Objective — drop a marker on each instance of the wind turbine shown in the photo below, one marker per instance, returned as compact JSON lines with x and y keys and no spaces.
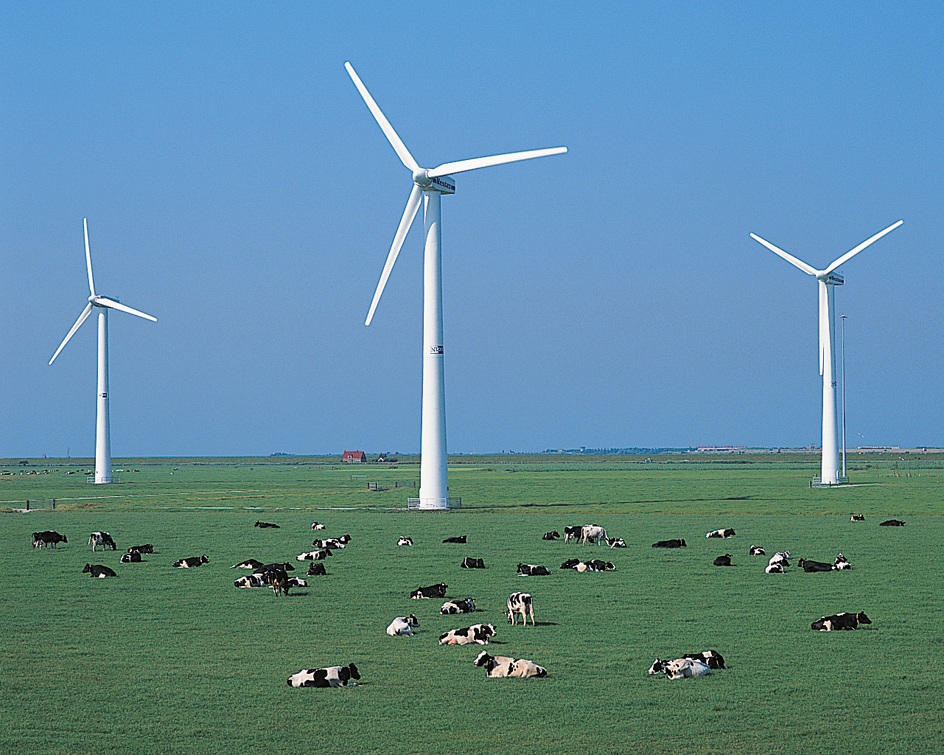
{"x":828,"y":280}
{"x":103,"y":304}
{"x":430,"y":184}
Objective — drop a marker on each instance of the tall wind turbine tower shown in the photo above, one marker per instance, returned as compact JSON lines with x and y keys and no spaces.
{"x":828,"y":280}
{"x":430,"y":185}
{"x":102,"y":424}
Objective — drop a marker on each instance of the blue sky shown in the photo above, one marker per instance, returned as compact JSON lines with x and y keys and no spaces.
{"x":237,"y":188}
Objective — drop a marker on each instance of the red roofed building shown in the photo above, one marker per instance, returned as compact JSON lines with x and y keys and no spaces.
{"x":354,"y":456}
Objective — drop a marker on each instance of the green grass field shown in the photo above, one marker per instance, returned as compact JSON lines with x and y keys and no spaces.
{"x":163,"y":660}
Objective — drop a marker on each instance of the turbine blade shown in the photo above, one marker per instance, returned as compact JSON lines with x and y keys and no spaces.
{"x":399,"y":147}
{"x":461,"y":166}
{"x":88,"y":260}
{"x":85,"y":313}
{"x":853,"y":252}
{"x":112,"y":304}
{"x":409,"y":213}
{"x":788,"y":257}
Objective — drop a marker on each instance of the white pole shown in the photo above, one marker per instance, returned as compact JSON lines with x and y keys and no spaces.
{"x":434,"y":481}
{"x":102,"y":434}
{"x":842,"y":320}
{"x":830,"y":456}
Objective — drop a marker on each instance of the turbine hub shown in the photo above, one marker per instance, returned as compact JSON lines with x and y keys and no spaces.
{"x":442,"y":184}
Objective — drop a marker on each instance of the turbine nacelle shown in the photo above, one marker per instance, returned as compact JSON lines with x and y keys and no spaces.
{"x":442,"y":184}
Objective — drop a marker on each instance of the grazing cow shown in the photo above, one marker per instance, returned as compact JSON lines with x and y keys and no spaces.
{"x":466,"y":605}
{"x":813,"y":566}
{"x":131,"y":557}
{"x":47,"y":537}
{"x":146,"y":548}
{"x":594,"y":565}
{"x":249,"y":563}
{"x":250,"y":580}
{"x":840,"y":621}
{"x":616,"y":542}
{"x":266,"y":524}
{"x":533,"y":570}
{"x":317,"y":526}
{"x":720,"y":533}
{"x":521,"y":668}
{"x":520,"y":602}
{"x":405,"y":541}
{"x":103,"y":539}
{"x":756,"y":550}
{"x":318,"y":555}
{"x":477,"y":633}
{"x":572,"y":532}
{"x":892,"y":523}
{"x":459,"y":539}
{"x":592,"y":532}
{"x":316,"y":570}
{"x":190,"y":563}
{"x":553,"y":535}
{"x":99,"y":571}
{"x":402,"y":626}
{"x":675,"y":543}
{"x":332,"y":676}
{"x":680,"y":668}
{"x":841,"y":563}
{"x":857,"y":518}
{"x":433,"y":591}
{"x":472,"y":563}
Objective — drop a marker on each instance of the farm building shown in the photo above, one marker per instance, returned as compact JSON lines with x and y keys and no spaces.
{"x":354,"y":456}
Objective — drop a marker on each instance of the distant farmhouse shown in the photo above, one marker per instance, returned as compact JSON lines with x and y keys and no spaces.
{"x":353,"y":456}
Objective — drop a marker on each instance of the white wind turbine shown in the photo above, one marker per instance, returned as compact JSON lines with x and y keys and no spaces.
{"x":103,"y":303}
{"x":430,"y":184}
{"x":828,"y":280}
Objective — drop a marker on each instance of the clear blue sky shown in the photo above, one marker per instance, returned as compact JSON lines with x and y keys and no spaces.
{"x":237,"y":188}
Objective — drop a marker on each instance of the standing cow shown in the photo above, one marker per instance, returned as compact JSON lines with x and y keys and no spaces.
{"x":520,"y":602}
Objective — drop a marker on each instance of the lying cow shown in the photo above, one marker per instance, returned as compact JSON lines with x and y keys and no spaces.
{"x":467,"y":605}
{"x":96,"y":570}
{"x":781,"y":557}
{"x":533,"y":570}
{"x":472,"y":563}
{"x":775,"y":568}
{"x":680,"y":668}
{"x":319,"y":555}
{"x":317,"y":526}
{"x":720,"y":533}
{"x":594,"y":565}
{"x":857,"y":518}
{"x":331,"y":543}
{"x":103,"y":539}
{"x":756,"y":550}
{"x":405,"y":541}
{"x":142,"y":549}
{"x":616,"y":542}
{"x":332,"y":676}
{"x":520,"y":602}
{"x":841,"y":563}
{"x":402,"y":626}
{"x":477,"y":633}
{"x":813,"y":566}
{"x":433,"y":591}
{"x":190,"y":563}
{"x":724,"y":560}
{"x":553,"y":535}
{"x":520,"y":668}
{"x":131,"y":557}
{"x":317,"y":570}
{"x":483,"y":658}
{"x":674,"y":543}
{"x":840,"y":621}
{"x":711,"y":658}
{"x":460,"y":539}
{"x":266,"y":525}
{"x":249,"y":563}
{"x":592,"y":532}
{"x":250,"y":580}
{"x":892,"y":523}
{"x":47,"y":537}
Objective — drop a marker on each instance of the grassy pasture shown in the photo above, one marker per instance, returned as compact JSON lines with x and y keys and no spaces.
{"x":180,"y":661}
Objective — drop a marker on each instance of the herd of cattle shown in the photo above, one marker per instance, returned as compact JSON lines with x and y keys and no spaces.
{"x":275,"y":575}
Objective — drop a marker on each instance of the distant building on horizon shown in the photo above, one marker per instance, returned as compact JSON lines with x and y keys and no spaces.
{"x":353,"y":456}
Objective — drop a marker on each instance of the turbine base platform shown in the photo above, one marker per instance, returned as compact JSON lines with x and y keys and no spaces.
{"x":433,"y":504}
{"x":106,"y":481}
{"x":817,"y":482}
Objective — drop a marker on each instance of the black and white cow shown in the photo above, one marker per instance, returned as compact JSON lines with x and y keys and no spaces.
{"x":533,"y":570}
{"x":433,"y":591}
{"x":892,"y":523}
{"x":480,"y":634}
{"x":775,"y":568}
{"x":680,"y":668}
{"x":131,"y":557}
{"x":520,"y":668}
{"x":405,"y":541}
{"x":840,"y":621}
{"x":331,"y":543}
{"x":782,"y":558}
{"x":142,"y":549}
{"x":756,"y":550}
{"x":814,"y":566}
{"x":520,"y":602}
{"x":190,"y":563}
{"x":570,"y":563}
{"x":250,"y":580}
{"x":616,"y":542}
{"x":103,"y":539}
{"x":552,"y":535}
{"x":720,"y":533}
{"x":317,"y":526}
{"x":466,"y":605}
{"x":402,"y":626}
{"x":96,"y":570}
{"x":319,"y":555}
{"x":841,"y":563}
{"x":317,"y":570}
{"x":48,"y":537}
{"x":249,"y":563}
{"x":572,"y":532}
{"x":592,"y":532}
{"x":278,"y":581}
{"x":483,"y":658}
{"x":472,"y":563}
{"x":297,"y":582}
{"x":266,"y":525}
{"x":331,"y":676}
{"x":594,"y":565}
{"x":724,"y":560}
{"x":459,"y":539}
{"x":857,"y":518}
{"x":674,"y":543}
{"x":711,"y":658}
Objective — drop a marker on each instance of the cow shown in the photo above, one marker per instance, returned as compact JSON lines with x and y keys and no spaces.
{"x":675,"y":543}
{"x":720,"y":533}
{"x":146,"y":548}
{"x":781,"y":557}
{"x":813,"y":566}
{"x":775,"y":568}
{"x":297,"y":582}
{"x":433,"y":591}
{"x":132,"y":557}
{"x":331,"y":543}
{"x":250,"y":580}
{"x":594,"y":565}
{"x":552,"y":535}
{"x":265,"y":525}
{"x":712,"y":658}
{"x":190,"y":563}
{"x":472,"y":563}
{"x":840,"y":621}
{"x":841,"y":563}
{"x":466,"y":605}
{"x":680,"y":668}
{"x":332,"y":676}
{"x":278,"y":581}
{"x":317,"y":526}
{"x":249,"y":563}
{"x":724,"y":560}
{"x":521,"y":668}
{"x":477,"y":633}
{"x":96,"y":570}
{"x":592,"y":532}
{"x":533,"y":570}
{"x":460,"y":539}
{"x":756,"y":550}
{"x":284,"y":566}
{"x":402,"y":626}
{"x":483,"y":658}
{"x":572,"y":532}
{"x":103,"y":539}
{"x":857,"y":517}
{"x":405,"y":541}
{"x":616,"y":542}
{"x":47,"y":537}
{"x":892,"y":523}
{"x":316,"y":570}
{"x":318,"y":555}
{"x":520,"y":602}
{"x":570,"y":563}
